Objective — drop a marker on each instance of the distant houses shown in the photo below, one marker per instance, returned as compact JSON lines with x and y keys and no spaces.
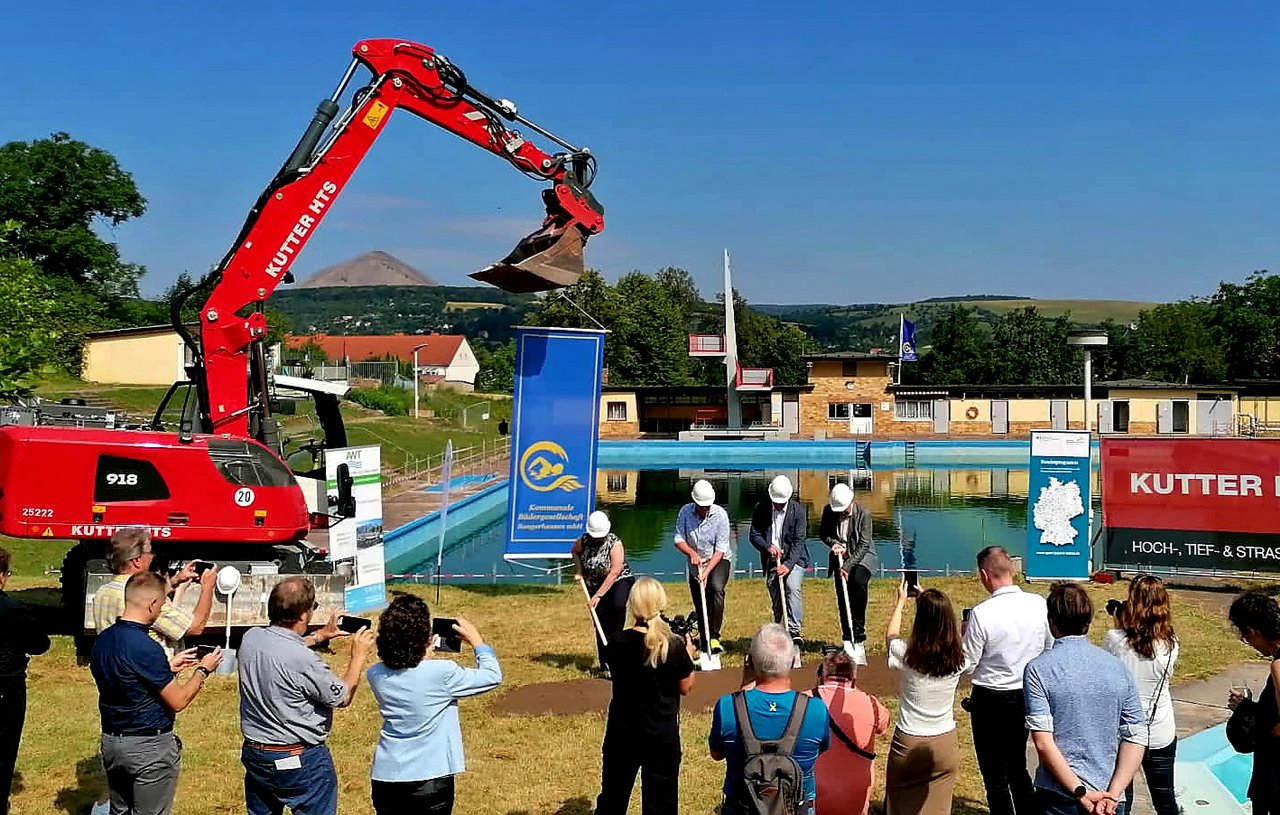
{"x":442,"y":359}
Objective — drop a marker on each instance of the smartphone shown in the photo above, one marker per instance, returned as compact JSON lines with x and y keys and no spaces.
{"x":203,"y":566}
{"x":353,"y":625}
{"x":203,"y":651}
{"x":447,"y":640}
{"x":964,"y":615}
{"x":913,"y":582}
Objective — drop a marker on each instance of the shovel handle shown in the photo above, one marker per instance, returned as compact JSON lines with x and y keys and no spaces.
{"x":595,"y":618}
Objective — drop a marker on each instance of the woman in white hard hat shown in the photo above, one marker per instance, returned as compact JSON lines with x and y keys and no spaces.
{"x":702,"y":535}
{"x":601,"y":564}
{"x":779,"y":526}
{"x":846,"y":529}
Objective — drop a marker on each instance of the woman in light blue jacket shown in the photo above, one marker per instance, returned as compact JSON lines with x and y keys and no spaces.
{"x":420,"y":748}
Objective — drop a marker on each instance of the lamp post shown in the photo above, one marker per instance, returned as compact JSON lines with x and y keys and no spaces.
{"x":483,"y":416}
{"x":416,"y":349}
{"x":1087,"y":340}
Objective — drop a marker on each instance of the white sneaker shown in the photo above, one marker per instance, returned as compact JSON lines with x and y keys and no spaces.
{"x":859,"y":655}
{"x":101,"y":808}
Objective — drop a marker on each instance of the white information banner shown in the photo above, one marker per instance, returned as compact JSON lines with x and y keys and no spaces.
{"x":358,"y":540}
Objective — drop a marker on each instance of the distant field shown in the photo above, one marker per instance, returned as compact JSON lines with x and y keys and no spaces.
{"x":1081,"y":311}
{"x":472,"y":306}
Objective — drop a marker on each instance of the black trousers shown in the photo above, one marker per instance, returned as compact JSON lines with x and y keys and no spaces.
{"x":853,"y":620}
{"x":13,"y":714}
{"x":714,"y":612}
{"x":659,"y":767}
{"x":1000,"y":740}
{"x":434,"y":797}
{"x":1157,"y":766}
{"x":612,"y":611}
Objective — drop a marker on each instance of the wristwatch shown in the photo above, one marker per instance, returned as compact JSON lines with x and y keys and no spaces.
{"x":1079,"y":792}
{"x":200,"y":669}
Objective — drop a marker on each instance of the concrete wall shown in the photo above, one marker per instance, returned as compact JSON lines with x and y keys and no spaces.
{"x":1266,"y":409}
{"x":616,"y":428}
{"x":137,"y":359}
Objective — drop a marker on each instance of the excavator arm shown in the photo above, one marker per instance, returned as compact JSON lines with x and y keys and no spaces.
{"x":409,"y":76}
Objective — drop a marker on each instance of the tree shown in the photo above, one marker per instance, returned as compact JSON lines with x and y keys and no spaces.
{"x":1178,"y":343}
{"x":959,"y":351}
{"x":1246,"y":319}
{"x":1121,"y":357}
{"x":27,"y":307}
{"x":58,"y":189}
{"x":1028,"y":349}
{"x":497,"y":368}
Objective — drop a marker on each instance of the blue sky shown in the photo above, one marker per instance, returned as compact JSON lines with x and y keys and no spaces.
{"x":844,"y":152}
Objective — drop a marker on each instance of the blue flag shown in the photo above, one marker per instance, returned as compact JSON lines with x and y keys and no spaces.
{"x":908,"y":337}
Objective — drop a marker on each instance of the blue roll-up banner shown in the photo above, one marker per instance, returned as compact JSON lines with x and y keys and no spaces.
{"x":554,"y":429}
{"x":1058,"y":506}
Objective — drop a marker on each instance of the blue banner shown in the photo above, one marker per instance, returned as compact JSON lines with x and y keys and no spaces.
{"x":1058,"y":506}
{"x":554,"y":429}
{"x":907,"y":352}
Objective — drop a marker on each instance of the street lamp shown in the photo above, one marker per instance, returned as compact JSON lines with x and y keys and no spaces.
{"x":1088,"y":339}
{"x":483,"y":416}
{"x":416,"y":349}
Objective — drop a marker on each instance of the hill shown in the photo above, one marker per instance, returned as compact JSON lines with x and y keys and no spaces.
{"x":479,"y":312}
{"x":369,"y":269}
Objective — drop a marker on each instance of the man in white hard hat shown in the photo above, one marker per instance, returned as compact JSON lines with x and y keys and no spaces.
{"x":846,"y":528}
{"x":779,"y":526}
{"x":702,"y":535}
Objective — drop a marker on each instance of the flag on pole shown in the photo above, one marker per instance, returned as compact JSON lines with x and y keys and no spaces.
{"x":907,"y":340}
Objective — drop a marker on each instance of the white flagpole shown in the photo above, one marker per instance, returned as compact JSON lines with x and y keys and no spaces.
{"x":446,"y":475}
{"x":901,"y":328}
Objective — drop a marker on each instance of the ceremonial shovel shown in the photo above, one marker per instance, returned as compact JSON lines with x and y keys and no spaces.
{"x":848,"y":611}
{"x":782,"y":599}
{"x":595,"y":618}
{"x":707,"y":661}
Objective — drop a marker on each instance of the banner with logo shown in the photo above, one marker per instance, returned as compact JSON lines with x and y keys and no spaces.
{"x":554,"y":428}
{"x":356,"y":543}
{"x":906,"y":340}
{"x":1058,"y":506}
{"x":1194,"y":504}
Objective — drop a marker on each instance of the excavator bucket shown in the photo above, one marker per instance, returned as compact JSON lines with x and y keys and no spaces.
{"x":550,"y":258}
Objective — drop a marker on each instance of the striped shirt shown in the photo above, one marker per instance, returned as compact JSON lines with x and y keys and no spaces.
{"x":168,"y":629}
{"x":705,"y":535}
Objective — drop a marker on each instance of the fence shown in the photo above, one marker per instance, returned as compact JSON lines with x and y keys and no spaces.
{"x":466,"y":460}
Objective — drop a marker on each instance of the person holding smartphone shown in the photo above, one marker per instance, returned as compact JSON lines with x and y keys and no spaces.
{"x":420,"y":747}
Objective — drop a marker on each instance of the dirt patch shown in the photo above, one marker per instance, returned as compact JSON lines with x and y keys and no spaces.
{"x":579,"y":696}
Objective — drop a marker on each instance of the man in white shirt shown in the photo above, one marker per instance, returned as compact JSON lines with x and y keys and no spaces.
{"x":1001,"y":635}
{"x":702,"y":535}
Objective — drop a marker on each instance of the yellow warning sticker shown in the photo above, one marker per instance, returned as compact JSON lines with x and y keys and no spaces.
{"x":48,"y":532}
{"x":377,"y":112}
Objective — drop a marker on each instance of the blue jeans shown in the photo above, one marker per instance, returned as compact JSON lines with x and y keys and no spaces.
{"x":1053,"y":803}
{"x":795,"y":607}
{"x":308,"y":789}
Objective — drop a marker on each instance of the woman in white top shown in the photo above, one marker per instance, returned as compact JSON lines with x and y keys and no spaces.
{"x":924,"y":755}
{"x":1143,"y":640}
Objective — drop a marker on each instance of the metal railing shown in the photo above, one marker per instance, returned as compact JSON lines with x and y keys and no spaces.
{"x":466,"y":460}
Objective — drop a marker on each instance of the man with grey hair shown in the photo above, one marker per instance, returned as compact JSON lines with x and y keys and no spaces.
{"x":768,"y":704}
{"x":129,"y":552}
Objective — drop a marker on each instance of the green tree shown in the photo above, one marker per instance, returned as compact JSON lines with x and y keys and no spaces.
{"x":58,"y":189}
{"x":497,"y":368}
{"x":959,"y":351}
{"x":27,"y":308}
{"x":1121,"y":358}
{"x":1178,"y":343}
{"x":648,"y":343}
{"x":1028,"y":349}
{"x":1246,"y":319}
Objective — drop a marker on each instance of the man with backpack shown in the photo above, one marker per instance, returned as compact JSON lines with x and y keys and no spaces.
{"x":769,"y":736}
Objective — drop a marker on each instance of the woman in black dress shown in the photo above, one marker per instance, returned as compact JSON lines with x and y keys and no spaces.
{"x":601,"y":564}
{"x":1256,"y":617}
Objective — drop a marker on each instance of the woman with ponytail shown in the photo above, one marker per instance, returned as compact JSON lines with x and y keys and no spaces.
{"x":652,"y":668}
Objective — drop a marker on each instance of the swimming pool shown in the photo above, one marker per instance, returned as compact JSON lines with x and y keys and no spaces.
{"x":1211,"y":777}
{"x":951,"y":503}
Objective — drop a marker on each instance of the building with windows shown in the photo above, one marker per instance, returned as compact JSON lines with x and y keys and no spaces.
{"x":441,"y":358}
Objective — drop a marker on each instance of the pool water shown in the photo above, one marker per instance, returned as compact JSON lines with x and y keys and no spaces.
{"x":949,"y":512}
{"x":1211,"y":777}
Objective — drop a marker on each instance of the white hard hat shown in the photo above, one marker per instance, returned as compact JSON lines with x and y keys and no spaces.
{"x":228,"y":579}
{"x":704,"y":495}
{"x":841,"y":497}
{"x":598,"y":524}
{"x":780,"y":490}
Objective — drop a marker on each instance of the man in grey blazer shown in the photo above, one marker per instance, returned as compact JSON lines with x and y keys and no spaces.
{"x":779,"y":526}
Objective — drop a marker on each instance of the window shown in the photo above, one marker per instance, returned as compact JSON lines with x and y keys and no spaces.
{"x":617,"y":482}
{"x":616,"y":411}
{"x":128,"y":479}
{"x":917,"y":410}
{"x":837,"y":411}
{"x":860,"y":410}
{"x":1181,"y":416}
{"x":248,"y":465}
{"x":1120,"y":417}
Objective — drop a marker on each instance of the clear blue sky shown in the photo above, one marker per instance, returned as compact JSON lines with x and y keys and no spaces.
{"x":844,"y":152}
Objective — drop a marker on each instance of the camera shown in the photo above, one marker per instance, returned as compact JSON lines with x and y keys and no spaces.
{"x":966,"y":704}
{"x":1114,"y":607}
{"x":683,"y":625}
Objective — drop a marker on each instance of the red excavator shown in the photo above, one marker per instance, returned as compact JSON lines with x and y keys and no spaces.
{"x":216,"y":485}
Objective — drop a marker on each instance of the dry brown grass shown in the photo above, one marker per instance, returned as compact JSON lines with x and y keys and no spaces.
{"x":546,"y":764}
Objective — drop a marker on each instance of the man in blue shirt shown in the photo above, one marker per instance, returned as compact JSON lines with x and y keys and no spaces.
{"x":702,"y":535}
{"x":137,"y":699}
{"x":1084,"y":715}
{"x":769,"y":705}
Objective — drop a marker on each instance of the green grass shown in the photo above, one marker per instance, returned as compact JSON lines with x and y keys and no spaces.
{"x":1088,"y":312}
{"x":517,"y":765}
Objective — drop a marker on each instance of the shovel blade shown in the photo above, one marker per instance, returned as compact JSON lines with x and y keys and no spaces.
{"x":550,"y":258}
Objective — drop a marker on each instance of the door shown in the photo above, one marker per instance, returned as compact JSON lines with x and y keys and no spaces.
{"x":1213,"y":415}
{"x":1058,"y":414}
{"x":1105,"y":412}
{"x":790,"y":415}
{"x":1164,"y":416}
{"x":1181,"y":416}
{"x":860,"y":418}
{"x":941,"y":416}
{"x":999,"y":417}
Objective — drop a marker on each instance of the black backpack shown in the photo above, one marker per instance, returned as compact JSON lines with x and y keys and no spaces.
{"x":774,"y":781}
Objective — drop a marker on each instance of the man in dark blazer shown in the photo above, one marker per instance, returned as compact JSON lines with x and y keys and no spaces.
{"x":779,"y":526}
{"x":846,"y":528}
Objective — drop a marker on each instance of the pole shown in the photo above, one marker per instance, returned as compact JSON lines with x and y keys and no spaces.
{"x":1088,"y":392}
{"x":415,"y":390}
{"x":901,"y":327}
{"x":446,"y":475}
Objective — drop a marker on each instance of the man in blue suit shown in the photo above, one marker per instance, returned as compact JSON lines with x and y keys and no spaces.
{"x":779,"y":526}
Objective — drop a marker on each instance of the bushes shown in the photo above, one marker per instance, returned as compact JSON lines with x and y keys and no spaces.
{"x":389,"y":400}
